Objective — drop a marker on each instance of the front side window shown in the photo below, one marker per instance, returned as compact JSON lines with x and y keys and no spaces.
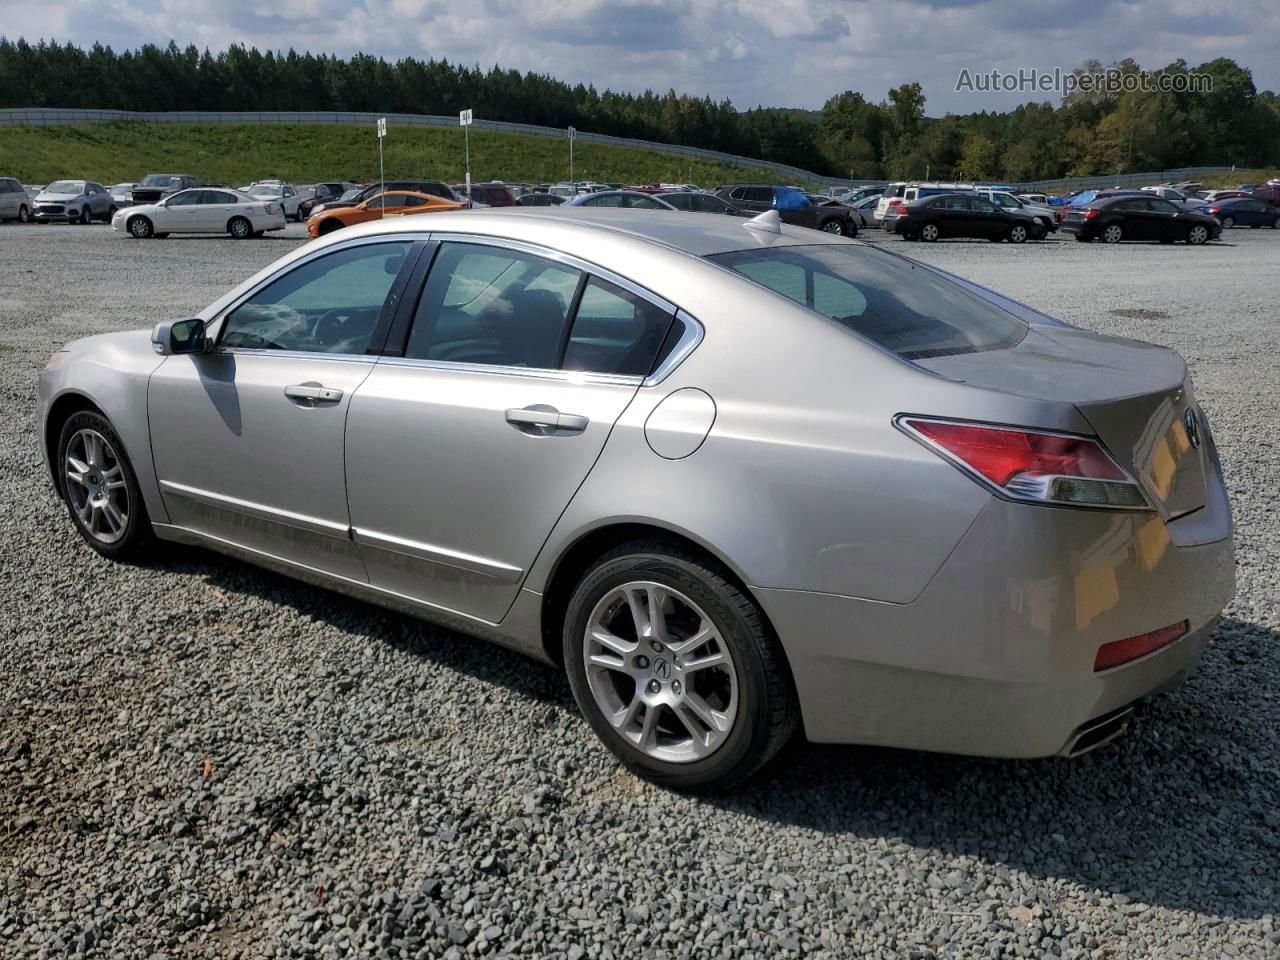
{"x":904,"y":307}
{"x":327,"y":305}
{"x":490,"y":305}
{"x":607,"y":200}
{"x":615,"y":331}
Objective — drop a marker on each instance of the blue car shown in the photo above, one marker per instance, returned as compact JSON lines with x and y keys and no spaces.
{"x":1243,"y":212}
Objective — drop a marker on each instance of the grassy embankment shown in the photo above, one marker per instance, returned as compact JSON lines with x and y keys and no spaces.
{"x":238,"y":154}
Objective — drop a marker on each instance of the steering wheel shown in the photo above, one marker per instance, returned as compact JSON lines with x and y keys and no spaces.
{"x":331,"y":325}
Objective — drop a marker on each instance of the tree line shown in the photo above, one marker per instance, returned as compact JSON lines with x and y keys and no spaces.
{"x":1090,"y":133}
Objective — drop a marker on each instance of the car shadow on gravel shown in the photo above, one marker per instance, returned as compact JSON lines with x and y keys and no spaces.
{"x":1182,"y":812}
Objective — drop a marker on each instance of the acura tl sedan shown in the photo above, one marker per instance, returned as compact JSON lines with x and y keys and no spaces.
{"x":736,"y":478}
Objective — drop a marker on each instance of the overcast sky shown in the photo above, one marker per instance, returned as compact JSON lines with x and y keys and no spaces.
{"x":773,"y":52}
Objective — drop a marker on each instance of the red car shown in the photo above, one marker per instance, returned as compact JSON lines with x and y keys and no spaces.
{"x":490,"y":194}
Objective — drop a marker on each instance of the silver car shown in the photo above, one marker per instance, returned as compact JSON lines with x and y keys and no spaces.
{"x":736,"y":478}
{"x":74,"y":201}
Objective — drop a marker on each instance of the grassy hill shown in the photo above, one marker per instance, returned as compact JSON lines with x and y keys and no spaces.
{"x":238,"y":154}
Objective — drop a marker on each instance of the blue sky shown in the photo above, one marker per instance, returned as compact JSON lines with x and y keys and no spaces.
{"x":774,"y":52}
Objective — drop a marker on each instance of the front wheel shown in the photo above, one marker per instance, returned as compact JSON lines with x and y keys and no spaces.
{"x":676,"y":669}
{"x":240,"y":228}
{"x":24,"y":215}
{"x":835,"y":227}
{"x":100,"y":488}
{"x":1018,"y":233}
{"x":1197,"y":234}
{"x":140,"y":228}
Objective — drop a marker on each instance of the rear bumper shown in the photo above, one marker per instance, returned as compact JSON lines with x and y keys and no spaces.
{"x":995,"y":658}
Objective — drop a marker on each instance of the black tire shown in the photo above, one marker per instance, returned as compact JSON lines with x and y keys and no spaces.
{"x":834,"y":226}
{"x":1228,"y":222}
{"x":240,"y":228}
{"x":138,"y":538}
{"x":77,"y":217}
{"x":1017,"y":233}
{"x":1197,"y":234}
{"x":1112,"y":233}
{"x":930,"y":232}
{"x":24,"y":215}
{"x":1082,"y":239}
{"x":111,"y":213}
{"x":328,"y":226}
{"x":140,"y":228}
{"x":995,"y":239}
{"x":1275,"y":224}
{"x":162,"y":236}
{"x":767,"y":712}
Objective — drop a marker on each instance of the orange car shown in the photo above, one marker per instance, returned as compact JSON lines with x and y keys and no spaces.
{"x":393,"y":203}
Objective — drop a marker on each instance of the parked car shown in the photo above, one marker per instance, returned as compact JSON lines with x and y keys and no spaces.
{"x":73,"y":201}
{"x":393,"y":203}
{"x":535,"y":199}
{"x":1243,"y":212}
{"x":1043,"y":214}
{"x":433,"y":187}
{"x":121,"y":193}
{"x":284,"y":194}
{"x":1215,"y":196}
{"x":1171,"y":194}
{"x":14,"y":202}
{"x":629,"y":199}
{"x":156,"y":186}
{"x":793,"y":207}
{"x":490,"y":194}
{"x":1268,"y":194}
{"x":963,"y":215}
{"x":702,"y":203}
{"x":202,"y":210}
{"x":866,"y":210}
{"x":904,"y":192}
{"x":1128,"y":217}
{"x":1040,"y":199}
{"x":856,"y":196}
{"x":721,"y":545}
{"x":324,"y":193}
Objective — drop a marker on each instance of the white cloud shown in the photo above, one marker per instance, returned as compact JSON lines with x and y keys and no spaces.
{"x":775,"y":52}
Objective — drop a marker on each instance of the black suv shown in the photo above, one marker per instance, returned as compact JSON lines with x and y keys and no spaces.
{"x":433,"y":187}
{"x":793,"y":207}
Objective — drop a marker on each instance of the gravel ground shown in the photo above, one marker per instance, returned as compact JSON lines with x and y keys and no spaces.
{"x":199,"y":759}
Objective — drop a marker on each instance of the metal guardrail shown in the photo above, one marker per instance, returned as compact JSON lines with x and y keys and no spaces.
{"x":52,"y":117}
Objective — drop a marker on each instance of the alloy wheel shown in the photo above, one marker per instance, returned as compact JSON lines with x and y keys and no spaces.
{"x":1112,"y":234}
{"x":1228,"y":223}
{"x":833,"y":226}
{"x":929,"y":232}
{"x":96,"y":486}
{"x":241,"y":228}
{"x":1017,"y":234}
{"x":1198,"y":234}
{"x":660,"y":672}
{"x":140,"y":227}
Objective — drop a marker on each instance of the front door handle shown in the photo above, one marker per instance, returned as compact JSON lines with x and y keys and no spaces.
{"x":310,"y":394}
{"x":546,"y":419}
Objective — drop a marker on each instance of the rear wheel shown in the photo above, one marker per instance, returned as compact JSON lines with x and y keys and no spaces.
{"x":111,"y":213}
{"x":1197,"y":234}
{"x":1113,"y":233}
{"x":140,"y":228}
{"x":24,"y":215}
{"x":676,"y":669}
{"x":100,"y":488}
{"x":240,"y":228}
{"x":929,"y":233}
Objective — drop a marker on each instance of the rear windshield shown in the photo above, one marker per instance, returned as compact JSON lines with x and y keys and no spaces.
{"x":905,"y":308}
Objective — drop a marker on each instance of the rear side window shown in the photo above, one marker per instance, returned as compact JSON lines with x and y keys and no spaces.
{"x":905,"y":308}
{"x":614,"y":331}
{"x":490,"y":305}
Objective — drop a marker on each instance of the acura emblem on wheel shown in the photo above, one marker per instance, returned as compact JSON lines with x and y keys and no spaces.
{"x":1192,"y":423}
{"x":662,"y":668}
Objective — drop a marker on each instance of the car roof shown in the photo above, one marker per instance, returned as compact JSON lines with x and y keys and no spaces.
{"x":564,"y":226}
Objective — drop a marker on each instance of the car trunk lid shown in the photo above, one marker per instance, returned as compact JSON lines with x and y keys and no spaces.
{"x":1136,"y":397}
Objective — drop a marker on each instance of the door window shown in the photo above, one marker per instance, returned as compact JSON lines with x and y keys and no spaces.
{"x":615,"y":331}
{"x":644,"y":203}
{"x":484,"y":304}
{"x":607,"y":200}
{"x":327,"y":305}
{"x":190,"y":198}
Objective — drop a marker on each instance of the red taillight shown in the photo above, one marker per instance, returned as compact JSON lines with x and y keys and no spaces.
{"x":895,"y":203}
{"x":903,"y":211}
{"x":1090,"y":214}
{"x":1131,"y":648}
{"x":1031,"y":465}
{"x":1215,"y":209}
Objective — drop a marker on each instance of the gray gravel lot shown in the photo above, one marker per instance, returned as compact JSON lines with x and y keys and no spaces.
{"x":199,"y":759}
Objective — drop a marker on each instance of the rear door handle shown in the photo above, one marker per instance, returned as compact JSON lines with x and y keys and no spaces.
{"x":310,"y":394}
{"x":546,"y":417}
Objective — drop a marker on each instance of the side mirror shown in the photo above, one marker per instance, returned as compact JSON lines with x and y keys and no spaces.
{"x":178,"y":336}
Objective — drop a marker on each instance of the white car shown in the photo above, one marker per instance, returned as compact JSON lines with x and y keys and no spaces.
{"x":201,"y":210}
{"x":283,"y":194}
{"x":1042,"y":212}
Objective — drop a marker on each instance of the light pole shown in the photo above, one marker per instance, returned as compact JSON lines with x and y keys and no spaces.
{"x":573,"y":135}
{"x":464,"y":121}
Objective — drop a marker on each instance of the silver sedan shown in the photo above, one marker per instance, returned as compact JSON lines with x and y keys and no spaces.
{"x":737,"y":478}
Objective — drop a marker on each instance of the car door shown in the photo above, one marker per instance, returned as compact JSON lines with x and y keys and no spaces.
{"x":11,"y":197}
{"x":984,"y":219}
{"x":1160,"y":219}
{"x":180,"y":213}
{"x":463,"y":450}
{"x":217,"y":207}
{"x":247,"y":439}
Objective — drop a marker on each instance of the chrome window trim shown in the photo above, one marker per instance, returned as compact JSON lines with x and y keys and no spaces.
{"x":689,"y":339}
{"x":536,"y":373}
